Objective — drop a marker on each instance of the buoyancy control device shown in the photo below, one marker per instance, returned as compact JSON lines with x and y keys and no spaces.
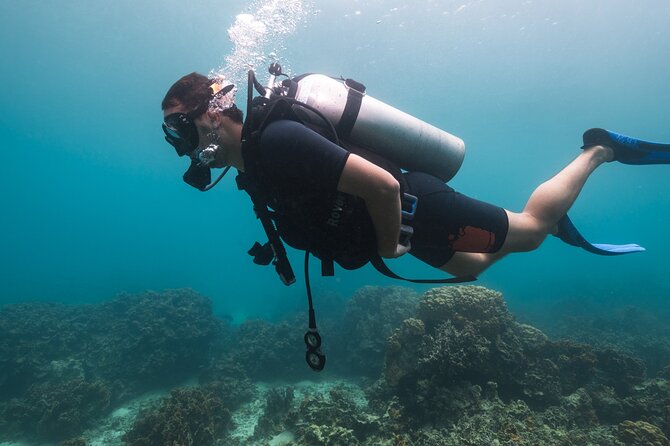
{"x":342,"y":112}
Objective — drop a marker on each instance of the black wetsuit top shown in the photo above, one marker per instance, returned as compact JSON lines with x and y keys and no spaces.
{"x":295,"y":159}
{"x":300,"y":169}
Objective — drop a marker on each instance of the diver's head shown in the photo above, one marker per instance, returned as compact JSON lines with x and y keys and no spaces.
{"x":194,"y":111}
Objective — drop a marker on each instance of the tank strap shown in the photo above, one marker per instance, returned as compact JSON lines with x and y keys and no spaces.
{"x":355,"y":94}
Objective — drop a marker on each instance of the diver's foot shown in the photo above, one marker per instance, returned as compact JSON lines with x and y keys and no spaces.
{"x":600,"y":153}
{"x":628,"y":150}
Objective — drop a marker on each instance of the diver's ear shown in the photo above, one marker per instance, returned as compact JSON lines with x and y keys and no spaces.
{"x":214,"y":118}
{"x":212,"y":114}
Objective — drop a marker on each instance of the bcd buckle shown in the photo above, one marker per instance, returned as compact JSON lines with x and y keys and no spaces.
{"x":409,"y":203}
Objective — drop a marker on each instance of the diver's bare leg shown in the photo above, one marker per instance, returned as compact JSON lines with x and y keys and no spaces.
{"x":545,"y":207}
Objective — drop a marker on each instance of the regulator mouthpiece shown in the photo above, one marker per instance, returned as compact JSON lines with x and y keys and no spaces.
{"x":207,"y":155}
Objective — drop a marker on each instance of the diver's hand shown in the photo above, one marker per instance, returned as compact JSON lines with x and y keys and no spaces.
{"x":403,"y":246}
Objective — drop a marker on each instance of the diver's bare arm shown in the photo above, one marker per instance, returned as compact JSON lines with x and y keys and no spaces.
{"x":381,"y":193}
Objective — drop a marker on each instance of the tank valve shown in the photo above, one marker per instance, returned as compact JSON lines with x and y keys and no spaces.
{"x":275,"y":69}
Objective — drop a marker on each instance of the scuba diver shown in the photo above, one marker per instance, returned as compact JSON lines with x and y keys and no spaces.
{"x":321,"y":181}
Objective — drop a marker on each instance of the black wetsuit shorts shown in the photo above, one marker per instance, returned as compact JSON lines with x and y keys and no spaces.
{"x":447,"y":222}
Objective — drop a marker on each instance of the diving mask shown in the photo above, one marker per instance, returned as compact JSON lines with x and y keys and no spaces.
{"x":181,"y":132}
{"x":180,"y":129}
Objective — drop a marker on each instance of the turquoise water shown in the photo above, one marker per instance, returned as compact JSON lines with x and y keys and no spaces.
{"x":93,"y":201}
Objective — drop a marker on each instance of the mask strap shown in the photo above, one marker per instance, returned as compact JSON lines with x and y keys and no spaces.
{"x":219,"y":90}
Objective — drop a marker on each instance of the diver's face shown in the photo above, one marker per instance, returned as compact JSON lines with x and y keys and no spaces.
{"x":207,"y":127}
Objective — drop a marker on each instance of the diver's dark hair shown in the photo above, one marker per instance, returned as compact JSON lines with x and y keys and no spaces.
{"x":191,"y":92}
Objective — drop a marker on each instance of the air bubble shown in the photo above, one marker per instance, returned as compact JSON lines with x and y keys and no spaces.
{"x":258,"y":34}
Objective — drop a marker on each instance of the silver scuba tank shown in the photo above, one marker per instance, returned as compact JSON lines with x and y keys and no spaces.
{"x":409,"y":142}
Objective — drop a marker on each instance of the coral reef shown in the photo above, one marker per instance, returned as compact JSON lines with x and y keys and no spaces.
{"x":461,"y":333}
{"x":369,"y":319}
{"x":354,"y":339}
{"x":514,"y":423}
{"x":271,"y":352}
{"x":79,"y":441}
{"x":229,"y":380}
{"x":333,"y":412}
{"x":457,"y":369}
{"x":467,"y":335}
{"x":32,"y":335}
{"x":641,"y":433}
{"x":278,"y":403}
{"x":131,"y":340}
{"x":147,"y":334}
{"x":337,"y":419}
{"x":188,"y":417}
{"x":452,"y":367}
{"x":57,"y":409}
{"x":61,"y":367}
{"x":650,"y":401}
{"x":637,"y":332}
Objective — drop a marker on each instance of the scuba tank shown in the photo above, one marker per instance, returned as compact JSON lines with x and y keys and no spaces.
{"x":409,"y":142}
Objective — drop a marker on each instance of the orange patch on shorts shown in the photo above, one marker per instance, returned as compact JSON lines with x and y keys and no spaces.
{"x":471,"y":239}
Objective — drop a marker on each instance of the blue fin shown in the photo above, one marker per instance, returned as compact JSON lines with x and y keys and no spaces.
{"x":570,"y":235}
{"x":628,"y":150}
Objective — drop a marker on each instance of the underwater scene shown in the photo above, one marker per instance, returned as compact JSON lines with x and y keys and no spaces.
{"x":131,"y":313}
